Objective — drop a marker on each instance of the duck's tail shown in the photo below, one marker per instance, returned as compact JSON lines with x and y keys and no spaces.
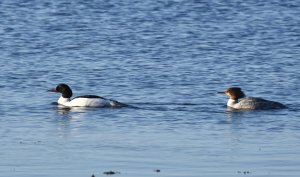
{"x":115,"y":103}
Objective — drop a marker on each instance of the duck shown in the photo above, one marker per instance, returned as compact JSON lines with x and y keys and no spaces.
{"x":82,"y":101}
{"x":238,"y":100}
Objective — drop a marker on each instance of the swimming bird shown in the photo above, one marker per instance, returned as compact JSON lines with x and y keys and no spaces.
{"x":238,"y":100}
{"x":82,"y":101}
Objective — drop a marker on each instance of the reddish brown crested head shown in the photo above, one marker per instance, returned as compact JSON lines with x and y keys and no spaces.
{"x":235,"y":93}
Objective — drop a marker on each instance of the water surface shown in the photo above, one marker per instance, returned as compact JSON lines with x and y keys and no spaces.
{"x":167,"y":59}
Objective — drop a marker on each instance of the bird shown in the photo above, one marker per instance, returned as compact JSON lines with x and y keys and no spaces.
{"x":82,"y":101}
{"x":238,"y":100}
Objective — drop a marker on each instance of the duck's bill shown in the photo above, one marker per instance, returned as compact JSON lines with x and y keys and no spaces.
{"x":221,"y":92}
{"x":52,"y":90}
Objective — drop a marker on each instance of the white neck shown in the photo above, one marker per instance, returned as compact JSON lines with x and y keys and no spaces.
{"x":232,"y":103}
{"x":63,"y":100}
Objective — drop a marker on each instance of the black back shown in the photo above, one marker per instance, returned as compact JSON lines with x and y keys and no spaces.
{"x":89,"y":96}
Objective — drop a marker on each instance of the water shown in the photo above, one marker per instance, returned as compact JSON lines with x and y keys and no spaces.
{"x":165,"y":58}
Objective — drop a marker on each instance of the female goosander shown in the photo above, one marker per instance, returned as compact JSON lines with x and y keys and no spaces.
{"x":236,"y":93}
{"x":82,"y":101}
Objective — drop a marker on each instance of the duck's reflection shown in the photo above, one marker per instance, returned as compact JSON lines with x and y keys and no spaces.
{"x":65,"y":110}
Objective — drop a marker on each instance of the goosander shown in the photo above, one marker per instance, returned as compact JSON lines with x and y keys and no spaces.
{"x":236,"y":93}
{"x":82,"y":101}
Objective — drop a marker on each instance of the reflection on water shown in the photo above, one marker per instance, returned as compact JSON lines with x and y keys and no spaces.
{"x":65,"y":110}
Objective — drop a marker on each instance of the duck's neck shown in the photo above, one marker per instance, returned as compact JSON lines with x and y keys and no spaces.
{"x":232,"y":102}
{"x":63,"y":100}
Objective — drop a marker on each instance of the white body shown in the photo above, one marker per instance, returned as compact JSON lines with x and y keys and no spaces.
{"x":86,"y":102}
{"x":233,"y":104}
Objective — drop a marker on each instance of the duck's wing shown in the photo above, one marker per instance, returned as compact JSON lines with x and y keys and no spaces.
{"x":259,"y":103}
{"x":90,"y":96}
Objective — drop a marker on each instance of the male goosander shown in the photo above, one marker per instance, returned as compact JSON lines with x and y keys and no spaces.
{"x":82,"y":101}
{"x":236,"y":93}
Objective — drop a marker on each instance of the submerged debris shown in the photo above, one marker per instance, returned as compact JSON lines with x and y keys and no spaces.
{"x":157,"y":170}
{"x":244,"y":172}
{"x":111,"y":172}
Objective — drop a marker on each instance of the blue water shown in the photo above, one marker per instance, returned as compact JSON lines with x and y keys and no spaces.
{"x":167,"y":59}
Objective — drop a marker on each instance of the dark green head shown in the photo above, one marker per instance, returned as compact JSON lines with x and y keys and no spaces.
{"x":64,"y":89}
